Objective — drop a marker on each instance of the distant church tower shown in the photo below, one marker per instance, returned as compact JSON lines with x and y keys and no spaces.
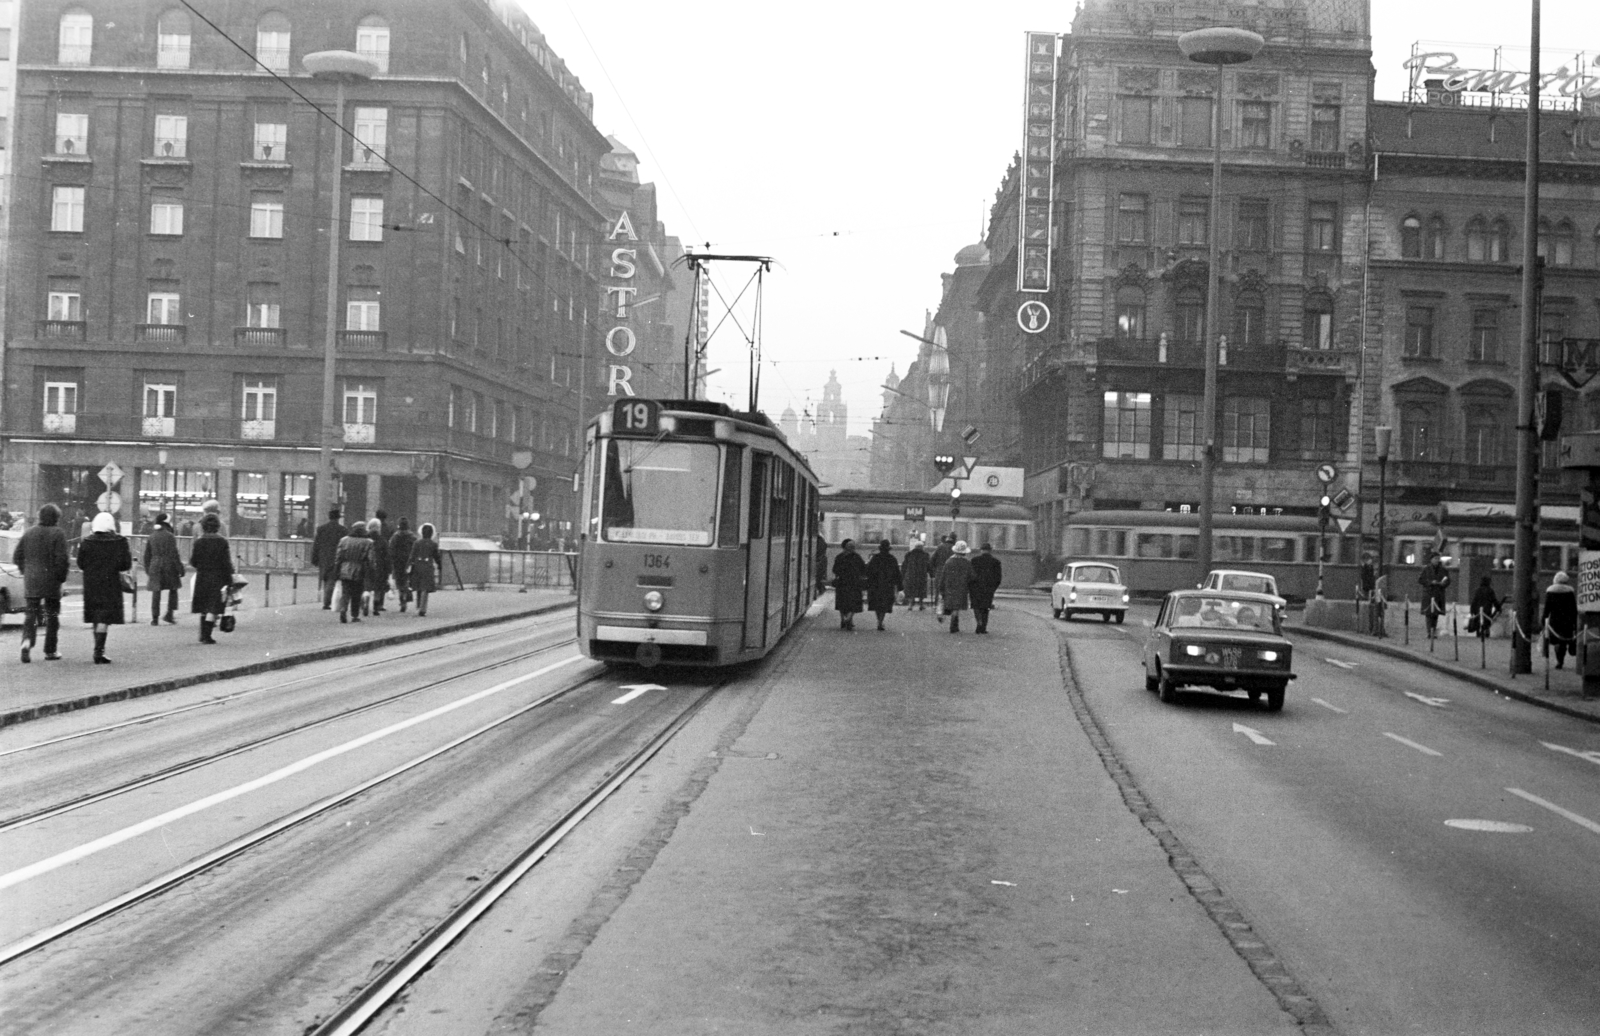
{"x":832,"y":414}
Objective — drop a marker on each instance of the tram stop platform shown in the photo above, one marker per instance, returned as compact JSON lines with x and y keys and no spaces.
{"x":291,"y":630}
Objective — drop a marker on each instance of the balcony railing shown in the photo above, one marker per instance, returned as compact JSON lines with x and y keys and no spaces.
{"x":1155,"y":352}
{"x":258,"y":337}
{"x":1450,"y":474}
{"x":369,"y":341}
{"x":159,"y":427}
{"x":60,"y":424}
{"x":263,"y":430}
{"x":161,"y":334}
{"x":64,"y":330}
{"x":1325,"y":159}
{"x":1323,"y":361}
{"x":361,"y":434}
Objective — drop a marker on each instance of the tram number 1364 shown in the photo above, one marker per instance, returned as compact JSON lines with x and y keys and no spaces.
{"x":636,"y":416}
{"x":658,"y":561}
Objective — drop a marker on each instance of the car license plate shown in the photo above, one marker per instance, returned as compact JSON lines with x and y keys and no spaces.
{"x":1099,"y":599}
{"x":1230,"y":657}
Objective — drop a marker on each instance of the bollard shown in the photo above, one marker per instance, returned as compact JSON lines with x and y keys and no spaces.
{"x":1455,"y":632}
{"x":266,"y":590}
{"x":1408,"y":622}
{"x":294,"y":588}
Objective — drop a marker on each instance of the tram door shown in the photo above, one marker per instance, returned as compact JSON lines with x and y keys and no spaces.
{"x":756,"y":559}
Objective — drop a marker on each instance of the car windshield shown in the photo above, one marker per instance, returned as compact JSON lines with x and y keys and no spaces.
{"x":660,"y":492}
{"x":1249,"y":584}
{"x":1220,"y":613}
{"x":1094,"y":574}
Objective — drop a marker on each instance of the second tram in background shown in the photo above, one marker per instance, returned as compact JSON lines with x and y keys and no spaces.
{"x":700,"y":531}
{"x":870,"y":516}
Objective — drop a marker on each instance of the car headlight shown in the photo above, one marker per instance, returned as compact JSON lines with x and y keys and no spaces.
{"x":1072,"y":595}
{"x":1269,"y":656}
{"x":1124,"y":598}
{"x":1193,"y":650}
{"x":653,"y":600}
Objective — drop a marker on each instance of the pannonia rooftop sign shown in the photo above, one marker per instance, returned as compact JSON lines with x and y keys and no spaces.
{"x":1575,"y":78}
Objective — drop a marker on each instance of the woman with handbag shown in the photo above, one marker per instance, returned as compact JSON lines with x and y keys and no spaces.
{"x":212,"y":561}
{"x":424,"y":567}
{"x":107,"y":566}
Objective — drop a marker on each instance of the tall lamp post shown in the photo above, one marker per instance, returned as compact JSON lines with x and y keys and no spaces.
{"x":1217,"y":46}
{"x":338,"y":67}
{"x":1382,"y":435}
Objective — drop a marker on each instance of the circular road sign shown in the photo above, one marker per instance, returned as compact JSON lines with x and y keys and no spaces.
{"x":1033,"y":316}
{"x":110,"y":500}
{"x":1326,"y":473}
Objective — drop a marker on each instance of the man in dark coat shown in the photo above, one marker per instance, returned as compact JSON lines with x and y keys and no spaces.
{"x":164,"y":567}
{"x":324,"y":550}
{"x":351,"y":560}
{"x":985,"y":581}
{"x":955,"y":584}
{"x":41,"y":554}
{"x":400,"y":560}
{"x":1560,"y":618}
{"x":1435,"y":578}
{"x":936,"y":568}
{"x":849,"y":580}
{"x":377,"y":565}
{"x":914,"y":575}
{"x":883,"y":580}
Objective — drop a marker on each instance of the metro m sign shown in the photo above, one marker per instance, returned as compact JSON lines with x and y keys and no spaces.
{"x":1579,"y":360}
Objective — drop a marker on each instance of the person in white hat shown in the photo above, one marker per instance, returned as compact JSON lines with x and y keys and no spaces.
{"x":103,"y":557}
{"x":955,"y":580}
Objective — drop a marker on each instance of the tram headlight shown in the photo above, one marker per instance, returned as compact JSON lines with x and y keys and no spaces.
{"x":653,"y":601}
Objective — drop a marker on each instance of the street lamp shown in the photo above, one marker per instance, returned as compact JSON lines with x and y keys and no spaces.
{"x":1382,"y":434}
{"x":338,"y":67}
{"x":1217,"y":46}
{"x":938,"y":378}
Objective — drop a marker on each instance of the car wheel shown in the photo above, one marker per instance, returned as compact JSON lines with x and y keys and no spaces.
{"x":1120,"y":617}
{"x":1167,"y":690}
{"x":1105,"y":616}
{"x":1150,"y":682}
{"x":1275,"y":698}
{"x":1055,"y":611}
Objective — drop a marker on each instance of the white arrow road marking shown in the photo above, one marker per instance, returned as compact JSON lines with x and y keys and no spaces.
{"x":1593,"y":757}
{"x":1341,"y":665}
{"x":1424,"y":749}
{"x":1330,"y":708}
{"x":1437,"y":703}
{"x":1581,"y":821}
{"x":1254,"y":735}
{"x":634,"y":690}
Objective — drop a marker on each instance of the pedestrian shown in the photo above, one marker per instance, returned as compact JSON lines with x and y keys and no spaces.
{"x":822,"y":563}
{"x":212,"y":561}
{"x":1560,"y":618}
{"x":354,"y":552}
{"x":383,"y":523}
{"x":849,"y":580}
{"x":41,"y":555}
{"x":914,"y":575}
{"x":324,"y":554}
{"x":164,"y":569}
{"x":103,"y":557}
{"x":213,"y":507}
{"x":986,"y":577}
{"x":936,"y":568}
{"x":1485,"y":606}
{"x":400,"y":560}
{"x":883,"y":581}
{"x":1434,"y":579}
{"x":424,"y":567}
{"x":955,"y":584}
{"x":378,"y":568}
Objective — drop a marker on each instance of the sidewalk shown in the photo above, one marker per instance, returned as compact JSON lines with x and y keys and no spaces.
{"x":149,"y":659}
{"x":1486,"y":663}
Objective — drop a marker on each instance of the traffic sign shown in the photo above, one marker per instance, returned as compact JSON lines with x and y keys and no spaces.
{"x":916,"y":513}
{"x":110,"y":500}
{"x":1033,"y":316}
{"x":1344,"y":524}
{"x":111,"y":474}
{"x":1342,"y":498}
{"x":1326,"y":473}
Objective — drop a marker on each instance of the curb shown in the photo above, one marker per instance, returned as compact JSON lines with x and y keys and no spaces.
{"x":282,"y":662}
{"x":1486,"y":682}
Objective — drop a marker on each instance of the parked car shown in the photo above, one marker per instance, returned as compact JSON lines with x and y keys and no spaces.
{"x":1225,"y":640}
{"x":1246,"y":582}
{"x":1089,"y":586}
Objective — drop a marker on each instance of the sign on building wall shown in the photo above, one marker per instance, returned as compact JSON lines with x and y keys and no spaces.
{"x":621,"y":340}
{"x":1038,"y":165}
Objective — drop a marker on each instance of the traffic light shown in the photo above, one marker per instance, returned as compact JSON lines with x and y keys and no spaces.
{"x":1324,"y":512}
{"x":955,"y":502}
{"x":945,"y":462}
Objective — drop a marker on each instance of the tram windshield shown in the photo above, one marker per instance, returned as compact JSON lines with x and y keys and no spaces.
{"x":660,"y":492}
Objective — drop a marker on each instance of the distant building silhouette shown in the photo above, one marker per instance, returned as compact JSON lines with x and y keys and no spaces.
{"x":839,"y":458}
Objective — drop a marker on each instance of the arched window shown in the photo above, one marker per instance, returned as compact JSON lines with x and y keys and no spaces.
{"x":1190,"y":314}
{"x":372,"y":41}
{"x":1249,"y":319}
{"x":1499,"y":241}
{"x":1419,"y":431}
{"x":1562,"y":241}
{"x":172,"y":39}
{"x":1318,"y":330}
{"x":1130,"y":314}
{"x":1433,"y":247}
{"x":1477,"y":240}
{"x":1411,"y":238}
{"x":272,"y":41}
{"x":1485,"y":412}
{"x":77,"y":38}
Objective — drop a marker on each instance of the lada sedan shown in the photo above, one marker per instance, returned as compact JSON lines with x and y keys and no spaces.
{"x":1222,"y":640}
{"x":1089,"y":586}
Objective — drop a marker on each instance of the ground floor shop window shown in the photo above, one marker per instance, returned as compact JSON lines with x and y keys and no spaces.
{"x":294,"y":506}
{"x":249,"y":504}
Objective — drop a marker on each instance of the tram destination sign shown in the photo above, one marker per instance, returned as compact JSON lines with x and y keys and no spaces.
{"x":635,"y":417}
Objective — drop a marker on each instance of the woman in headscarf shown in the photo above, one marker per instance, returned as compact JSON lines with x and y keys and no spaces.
{"x":103,"y":556}
{"x":212,"y":561}
{"x":955,"y":581}
{"x":164,"y":567}
{"x":352,"y":558}
{"x":424,"y":566}
{"x":883,"y":580}
{"x":378,"y":569}
{"x":1560,"y":618}
{"x":849,"y":581}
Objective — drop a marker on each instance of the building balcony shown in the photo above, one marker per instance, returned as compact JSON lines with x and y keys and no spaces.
{"x":121,"y":425}
{"x":1495,"y":478}
{"x":60,"y":424}
{"x":160,"y":334}
{"x":258,"y":430}
{"x":364,"y":341}
{"x":1323,"y":361}
{"x":360,"y":434}
{"x":259,"y":337}
{"x":1325,"y":159}
{"x":64,"y":330}
{"x":1164,"y":351}
{"x":159,"y":427}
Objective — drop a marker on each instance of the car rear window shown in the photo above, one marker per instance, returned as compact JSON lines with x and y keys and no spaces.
{"x":1249,"y":584}
{"x":1095,"y":574}
{"x":1212,"y":613}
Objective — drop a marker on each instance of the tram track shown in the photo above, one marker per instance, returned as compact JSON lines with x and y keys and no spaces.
{"x":189,"y":765}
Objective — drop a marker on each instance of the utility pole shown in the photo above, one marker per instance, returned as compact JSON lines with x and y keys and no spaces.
{"x":1527,"y":436}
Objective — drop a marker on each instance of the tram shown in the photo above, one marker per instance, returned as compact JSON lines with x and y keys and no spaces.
{"x":870,"y":516}
{"x":700,"y":532}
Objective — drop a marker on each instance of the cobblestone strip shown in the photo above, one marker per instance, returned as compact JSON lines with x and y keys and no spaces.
{"x":1229,"y":919}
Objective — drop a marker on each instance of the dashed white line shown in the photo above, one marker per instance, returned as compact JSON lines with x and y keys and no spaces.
{"x":1580,"y":820}
{"x":1424,"y":749}
{"x":1330,"y":708}
{"x":1593,"y":757}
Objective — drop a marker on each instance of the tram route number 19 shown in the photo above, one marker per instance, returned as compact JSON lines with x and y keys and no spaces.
{"x":636,"y":416}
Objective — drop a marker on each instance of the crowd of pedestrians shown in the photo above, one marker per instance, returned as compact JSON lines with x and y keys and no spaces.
{"x":356,"y":564}
{"x":953,"y":577}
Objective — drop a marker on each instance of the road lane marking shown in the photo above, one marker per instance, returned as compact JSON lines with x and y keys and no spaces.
{"x":1252,"y":734}
{"x":1341,"y":665}
{"x":1495,"y":826}
{"x":1424,"y":749}
{"x":1581,"y":821}
{"x":61,"y":859}
{"x":634,"y":690}
{"x":1593,"y":757}
{"x":1437,"y":703}
{"x":1331,"y":708}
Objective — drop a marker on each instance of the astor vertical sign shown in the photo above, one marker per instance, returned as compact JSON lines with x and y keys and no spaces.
{"x":1038,"y":165}
{"x":620,"y":340}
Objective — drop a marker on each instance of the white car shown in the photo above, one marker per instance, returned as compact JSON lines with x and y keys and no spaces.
{"x":1245,"y":582}
{"x":1089,"y":586}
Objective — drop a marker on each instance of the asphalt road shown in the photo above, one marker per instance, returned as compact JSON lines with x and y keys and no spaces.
{"x":1422,"y":854}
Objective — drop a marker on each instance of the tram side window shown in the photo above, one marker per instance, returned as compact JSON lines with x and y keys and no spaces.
{"x":595,"y":484}
{"x":1550,"y":558}
{"x":782,"y":493}
{"x":1021,"y":536}
{"x":660,"y":492}
{"x":1188,"y":546}
{"x":760,"y":471}
{"x":1236,"y":548}
{"x":1153,"y":545}
{"x":732,"y":494}
{"x":1111,"y":543}
{"x":1276,"y":548}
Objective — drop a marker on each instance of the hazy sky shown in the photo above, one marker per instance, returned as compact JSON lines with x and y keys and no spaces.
{"x":860,"y":145}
